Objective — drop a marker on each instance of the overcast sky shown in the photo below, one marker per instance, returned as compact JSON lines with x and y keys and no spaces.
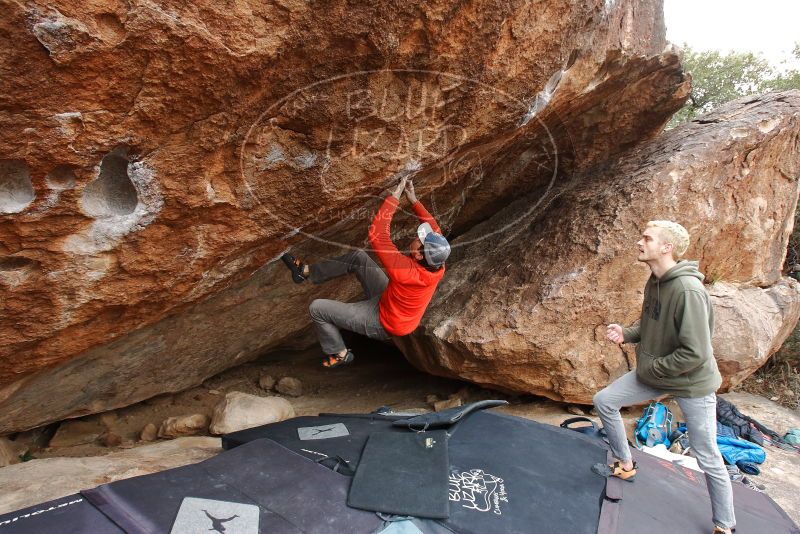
{"x":767,"y":26}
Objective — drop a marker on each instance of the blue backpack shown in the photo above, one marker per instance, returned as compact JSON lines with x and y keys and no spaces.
{"x":654,"y":426}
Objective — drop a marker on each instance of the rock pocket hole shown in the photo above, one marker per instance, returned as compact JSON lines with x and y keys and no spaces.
{"x":16,"y":263}
{"x":110,"y":27}
{"x":61,"y":178}
{"x":15,"y":270}
{"x":16,"y":189}
{"x":112,"y":193}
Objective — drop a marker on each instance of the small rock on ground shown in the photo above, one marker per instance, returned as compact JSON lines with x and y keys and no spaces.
{"x":110,"y":439}
{"x":445,"y":404}
{"x":289,"y":386}
{"x":266,"y":382}
{"x":149,"y":432}
{"x":238,"y":411}
{"x":462,"y":395}
{"x":77,"y":432}
{"x":184,"y":425}
{"x":8,"y":454}
{"x":575,"y":410}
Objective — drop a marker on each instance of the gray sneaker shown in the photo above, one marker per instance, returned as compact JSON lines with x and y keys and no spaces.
{"x":755,"y":486}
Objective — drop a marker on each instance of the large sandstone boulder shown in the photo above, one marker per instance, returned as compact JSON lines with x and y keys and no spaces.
{"x":527,"y":312}
{"x":751,"y":324}
{"x":152,"y":159}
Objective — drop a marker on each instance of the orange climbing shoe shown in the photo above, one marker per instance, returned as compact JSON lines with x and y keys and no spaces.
{"x":334,"y":360}
{"x":615,"y":470}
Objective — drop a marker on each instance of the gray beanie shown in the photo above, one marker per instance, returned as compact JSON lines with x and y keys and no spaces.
{"x":435,"y":247}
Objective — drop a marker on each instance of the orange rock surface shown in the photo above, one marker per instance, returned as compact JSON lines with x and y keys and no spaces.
{"x":533,"y":316}
{"x":156,"y":159}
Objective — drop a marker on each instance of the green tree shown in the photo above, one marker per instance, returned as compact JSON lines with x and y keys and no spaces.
{"x":789,"y":79}
{"x":718,"y":78}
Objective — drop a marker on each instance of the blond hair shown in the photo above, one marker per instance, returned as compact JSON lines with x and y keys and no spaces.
{"x":674,"y":233}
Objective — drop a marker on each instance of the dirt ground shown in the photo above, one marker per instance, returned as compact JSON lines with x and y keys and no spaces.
{"x":379,"y":376}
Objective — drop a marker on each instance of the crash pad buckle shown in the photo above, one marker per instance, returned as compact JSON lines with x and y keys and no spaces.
{"x":424,"y":427}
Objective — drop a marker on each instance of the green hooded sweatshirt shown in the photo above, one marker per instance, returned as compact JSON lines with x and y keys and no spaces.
{"x":674,"y":351}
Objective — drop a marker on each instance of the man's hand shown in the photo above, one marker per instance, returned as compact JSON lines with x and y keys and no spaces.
{"x":412,"y":197}
{"x":401,"y":185}
{"x":614,"y":333}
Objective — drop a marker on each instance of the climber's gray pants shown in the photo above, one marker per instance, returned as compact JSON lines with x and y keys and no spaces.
{"x":360,"y":317}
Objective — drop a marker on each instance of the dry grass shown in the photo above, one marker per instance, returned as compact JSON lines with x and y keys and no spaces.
{"x":779,"y":378}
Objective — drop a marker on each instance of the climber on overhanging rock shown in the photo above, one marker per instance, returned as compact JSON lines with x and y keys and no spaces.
{"x":395,"y":300}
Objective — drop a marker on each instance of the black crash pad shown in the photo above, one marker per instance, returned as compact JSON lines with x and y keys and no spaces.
{"x":293,"y":494}
{"x":403,"y":474}
{"x":507,"y":474}
{"x":667,"y":498}
{"x":70,"y":514}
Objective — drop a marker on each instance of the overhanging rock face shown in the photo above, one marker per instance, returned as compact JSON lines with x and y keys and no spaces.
{"x":155,"y":162}
{"x":153,"y":158}
{"x":528,"y":313}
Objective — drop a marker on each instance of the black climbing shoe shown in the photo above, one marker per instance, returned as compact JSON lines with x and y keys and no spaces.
{"x":296,"y":266}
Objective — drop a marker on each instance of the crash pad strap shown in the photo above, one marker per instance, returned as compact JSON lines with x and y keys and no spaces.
{"x":403,"y":474}
{"x":446,"y":418}
{"x":609,"y":517}
{"x":611,"y":506}
{"x":337,"y":464}
{"x":614,"y":485}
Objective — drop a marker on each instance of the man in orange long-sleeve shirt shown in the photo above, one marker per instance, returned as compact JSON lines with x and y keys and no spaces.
{"x":395,"y":299}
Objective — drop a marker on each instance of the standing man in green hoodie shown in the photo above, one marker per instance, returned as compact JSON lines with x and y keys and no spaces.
{"x":673,"y":357}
